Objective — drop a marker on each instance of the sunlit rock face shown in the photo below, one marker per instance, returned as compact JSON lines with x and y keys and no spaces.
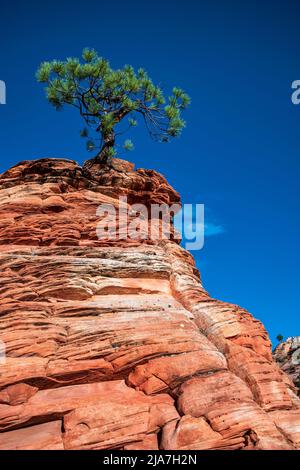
{"x":115,"y":344}
{"x":287,"y":354}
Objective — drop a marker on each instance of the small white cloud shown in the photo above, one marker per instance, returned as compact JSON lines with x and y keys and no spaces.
{"x":210,"y":228}
{"x":197,"y":223}
{"x":213,"y":229}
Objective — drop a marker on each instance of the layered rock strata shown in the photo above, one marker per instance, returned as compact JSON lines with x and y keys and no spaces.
{"x":115,"y":344}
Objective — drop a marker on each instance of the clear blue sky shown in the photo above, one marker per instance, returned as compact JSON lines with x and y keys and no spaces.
{"x":239,"y":154}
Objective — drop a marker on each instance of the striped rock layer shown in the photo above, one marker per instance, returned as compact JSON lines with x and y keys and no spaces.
{"x":115,"y":344}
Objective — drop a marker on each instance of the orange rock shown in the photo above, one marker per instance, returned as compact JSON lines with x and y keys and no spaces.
{"x":107,"y":341}
{"x":117,"y":422}
{"x":17,"y":394}
{"x":45,"y":436}
{"x":196,"y":434}
{"x":168,"y":372}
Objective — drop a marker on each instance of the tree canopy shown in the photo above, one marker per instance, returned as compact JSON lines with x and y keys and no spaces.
{"x":104,"y":97}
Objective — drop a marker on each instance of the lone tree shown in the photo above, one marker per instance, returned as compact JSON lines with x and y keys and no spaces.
{"x":105,"y":97}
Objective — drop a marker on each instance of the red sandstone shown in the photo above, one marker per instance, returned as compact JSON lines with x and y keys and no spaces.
{"x":116,"y":344}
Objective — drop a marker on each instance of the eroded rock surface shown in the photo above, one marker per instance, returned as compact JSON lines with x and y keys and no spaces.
{"x":287,"y":354}
{"x":115,"y":344}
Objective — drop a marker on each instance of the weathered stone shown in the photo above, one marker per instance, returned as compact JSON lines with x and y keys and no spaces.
{"x":117,"y":422}
{"x":196,"y":434}
{"x":107,"y":340}
{"x":45,"y":436}
{"x":287,"y":355}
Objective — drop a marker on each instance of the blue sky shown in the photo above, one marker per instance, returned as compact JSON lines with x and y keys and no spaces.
{"x":239,"y":154}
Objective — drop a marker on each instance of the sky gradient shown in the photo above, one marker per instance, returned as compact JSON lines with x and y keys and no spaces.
{"x":239,"y":154}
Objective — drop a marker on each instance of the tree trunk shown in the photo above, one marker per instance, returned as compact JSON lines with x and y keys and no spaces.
{"x":104,"y":153}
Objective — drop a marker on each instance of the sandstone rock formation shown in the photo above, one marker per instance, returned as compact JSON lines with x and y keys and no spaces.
{"x":287,"y":354}
{"x":115,"y":344}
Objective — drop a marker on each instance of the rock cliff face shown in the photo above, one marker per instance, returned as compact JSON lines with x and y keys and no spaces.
{"x":287,"y":354}
{"x":115,"y":344}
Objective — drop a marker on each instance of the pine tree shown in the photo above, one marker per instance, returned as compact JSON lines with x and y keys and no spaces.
{"x":104,"y":97}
